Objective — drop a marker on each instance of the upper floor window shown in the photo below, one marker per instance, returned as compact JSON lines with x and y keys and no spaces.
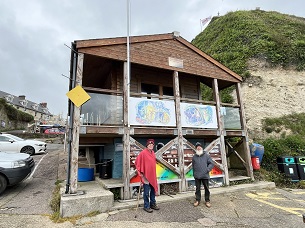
{"x":149,"y":89}
{"x":168,"y":91}
{"x":156,"y":90}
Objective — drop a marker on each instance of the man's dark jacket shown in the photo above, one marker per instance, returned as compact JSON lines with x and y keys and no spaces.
{"x":202,"y":165}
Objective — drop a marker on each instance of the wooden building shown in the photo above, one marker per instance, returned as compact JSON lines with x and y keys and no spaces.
{"x":157,"y":94}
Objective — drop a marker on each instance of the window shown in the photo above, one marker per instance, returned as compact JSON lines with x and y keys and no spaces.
{"x":156,"y":90}
{"x":149,"y":89}
{"x":168,"y":91}
{"x":4,"y":139}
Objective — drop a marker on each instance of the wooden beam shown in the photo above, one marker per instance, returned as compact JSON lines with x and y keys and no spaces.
{"x":221,"y":130}
{"x":103,"y":130}
{"x":75,"y":130}
{"x":236,"y":153}
{"x":246,"y":141}
{"x":182,"y":184}
{"x":126,"y":137}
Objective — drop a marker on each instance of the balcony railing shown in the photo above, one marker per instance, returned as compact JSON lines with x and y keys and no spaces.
{"x":102,"y":109}
{"x":106,"y":109}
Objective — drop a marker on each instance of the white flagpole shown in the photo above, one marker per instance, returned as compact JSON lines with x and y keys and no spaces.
{"x":128,"y":58}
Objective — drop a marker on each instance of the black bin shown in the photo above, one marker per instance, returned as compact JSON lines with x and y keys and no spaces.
{"x":300,"y":161}
{"x":286,"y":165}
{"x":105,"y":169}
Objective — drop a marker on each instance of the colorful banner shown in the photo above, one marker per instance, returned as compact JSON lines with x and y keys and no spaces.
{"x":214,"y":172}
{"x":163,"y":174}
{"x":151,"y":112}
{"x":198,"y":116}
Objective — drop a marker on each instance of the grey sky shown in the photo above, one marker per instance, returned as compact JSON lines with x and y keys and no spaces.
{"x":33,"y":33}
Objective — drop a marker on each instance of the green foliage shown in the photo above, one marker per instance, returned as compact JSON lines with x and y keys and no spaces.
{"x":236,"y":37}
{"x":287,"y":145}
{"x":207,"y":94}
{"x":15,"y":114}
{"x":116,"y":193}
{"x":295,"y":122}
{"x":278,"y":39}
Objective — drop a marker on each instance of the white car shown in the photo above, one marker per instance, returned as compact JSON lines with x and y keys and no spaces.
{"x":12,"y":143}
{"x":14,"y":168}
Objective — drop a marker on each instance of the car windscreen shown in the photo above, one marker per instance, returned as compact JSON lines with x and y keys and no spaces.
{"x":16,"y":138}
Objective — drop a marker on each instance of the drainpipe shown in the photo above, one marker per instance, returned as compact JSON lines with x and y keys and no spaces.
{"x":73,"y":62}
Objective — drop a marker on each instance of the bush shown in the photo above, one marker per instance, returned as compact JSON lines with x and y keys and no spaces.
{"x":15,"y":114}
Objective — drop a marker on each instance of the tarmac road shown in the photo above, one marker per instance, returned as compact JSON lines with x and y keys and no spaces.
{"x":33,"y":195}
{"x":27,"y":205}
{"x":262,"y":208}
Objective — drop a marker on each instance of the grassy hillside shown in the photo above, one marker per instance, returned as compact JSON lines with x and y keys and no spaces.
{"x":238,"y":36}
{"x":279,"y":40}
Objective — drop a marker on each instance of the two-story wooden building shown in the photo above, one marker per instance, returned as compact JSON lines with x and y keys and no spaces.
{"x":152,"y":87}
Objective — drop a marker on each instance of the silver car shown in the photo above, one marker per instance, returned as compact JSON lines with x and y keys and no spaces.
{"x":12,"y":143}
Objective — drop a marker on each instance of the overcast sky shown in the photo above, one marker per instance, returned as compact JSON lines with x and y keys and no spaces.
{"x":33,"y":34}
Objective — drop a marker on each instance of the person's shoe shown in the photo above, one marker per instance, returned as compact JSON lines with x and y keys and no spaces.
{"x":149,"y":210}
{"x":196,"y":203}
{"x":154,"y":206}
{"x":208,"y":204}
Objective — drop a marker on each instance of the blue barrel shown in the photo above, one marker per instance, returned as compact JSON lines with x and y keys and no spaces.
{"x":257,"y":150}
{"x":85,"y":174}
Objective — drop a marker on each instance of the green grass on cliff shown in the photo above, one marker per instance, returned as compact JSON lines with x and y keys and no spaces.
{"x":277,"y":39}
{"x":238,"y":36}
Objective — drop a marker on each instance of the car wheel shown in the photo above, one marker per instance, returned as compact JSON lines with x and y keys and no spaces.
{"x":3,"y":184}
{"x":28,"y":150}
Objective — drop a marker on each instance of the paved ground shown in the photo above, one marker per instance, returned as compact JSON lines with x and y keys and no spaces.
{"x":262,"y":208}
{"x":29,"y":206}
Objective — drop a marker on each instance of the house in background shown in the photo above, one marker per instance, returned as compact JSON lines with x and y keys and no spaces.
{"x":159,"y":95}
{"x":39,"y":111}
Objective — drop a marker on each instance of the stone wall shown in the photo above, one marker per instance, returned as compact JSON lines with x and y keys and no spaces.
{"x":6,"y":124}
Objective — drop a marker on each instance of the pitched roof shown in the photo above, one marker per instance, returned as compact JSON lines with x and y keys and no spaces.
{"x":20,"y":101}
{"x":155,"y":50}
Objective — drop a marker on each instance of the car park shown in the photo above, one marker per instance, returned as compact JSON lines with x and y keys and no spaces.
{"x":14,"y":168}
{"x":12,"y":143}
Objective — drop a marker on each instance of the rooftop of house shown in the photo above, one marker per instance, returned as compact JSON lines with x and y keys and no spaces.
{"x":22,"y":102}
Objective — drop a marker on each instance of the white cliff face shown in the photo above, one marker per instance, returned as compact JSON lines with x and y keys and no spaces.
{"x":271,"y":93}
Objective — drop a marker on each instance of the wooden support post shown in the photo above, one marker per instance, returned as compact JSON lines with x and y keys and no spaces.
{"x":245,"y":133}
{"x":126,"y":136}
{"x":221,"y":131}
{"x":182,"y":184}
{"x":75,"y":130}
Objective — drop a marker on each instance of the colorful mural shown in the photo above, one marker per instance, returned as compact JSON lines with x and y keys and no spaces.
{"x":163,"y":174}
{"x":214,"y":172}
{"x":203,"y":116}
{"x":152,"y":112}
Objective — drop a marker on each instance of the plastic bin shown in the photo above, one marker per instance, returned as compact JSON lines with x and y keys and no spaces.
{"x":105,"y":169}
{"x":300,"y":161}
{"x":255,"y":163}
{"x":257,"y":150}
{"x":286,"y":165}
{"x":85,"y":174}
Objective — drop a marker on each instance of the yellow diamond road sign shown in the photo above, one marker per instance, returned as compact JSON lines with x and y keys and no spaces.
{"x":78,"y":96}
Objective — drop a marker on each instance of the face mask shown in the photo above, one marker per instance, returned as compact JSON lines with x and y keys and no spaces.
{"x":199,"y":152}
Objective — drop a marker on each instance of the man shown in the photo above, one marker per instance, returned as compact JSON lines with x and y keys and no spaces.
{"x":202,"y":165}
{"x":146,"y":167}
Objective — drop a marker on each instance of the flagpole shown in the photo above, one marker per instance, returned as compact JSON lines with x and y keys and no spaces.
{"x":128,"y":56}
{"x":200,"y":26}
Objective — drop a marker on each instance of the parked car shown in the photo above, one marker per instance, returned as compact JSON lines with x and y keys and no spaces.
{"x":14,"y":168}
{"x":54,"y":131}
{"x":12,"y":143}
